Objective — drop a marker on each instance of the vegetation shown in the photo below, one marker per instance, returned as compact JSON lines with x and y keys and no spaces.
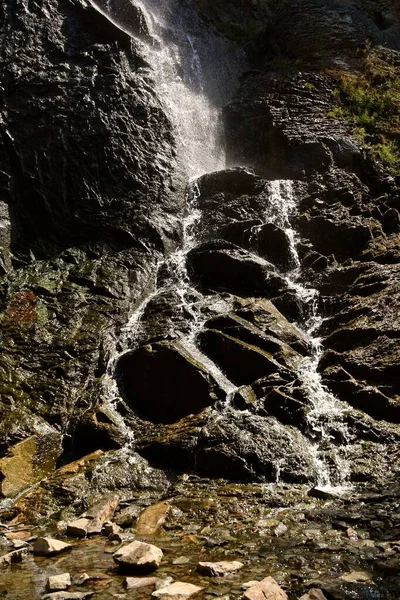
{"x":370,"y":100}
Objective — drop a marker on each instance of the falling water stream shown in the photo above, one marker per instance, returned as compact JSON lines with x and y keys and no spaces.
{"x":185,"y":58}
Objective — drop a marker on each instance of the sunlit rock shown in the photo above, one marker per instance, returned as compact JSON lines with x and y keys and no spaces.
{"x":138,"y":556}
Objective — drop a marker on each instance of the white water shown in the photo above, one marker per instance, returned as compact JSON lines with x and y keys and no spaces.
{"x":326,"y":413}
{"x":195,"y":74}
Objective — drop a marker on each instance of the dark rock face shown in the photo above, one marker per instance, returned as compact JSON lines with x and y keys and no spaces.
{"x":212,"y":370}
{"x":85,"y":198}
{"x":163,"y":384}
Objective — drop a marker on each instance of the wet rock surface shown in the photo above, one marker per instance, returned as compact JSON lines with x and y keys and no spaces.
{"x":151,"y":336}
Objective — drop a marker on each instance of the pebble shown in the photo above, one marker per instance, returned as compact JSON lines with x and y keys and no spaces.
{"x":280,"y":529}
{"x":67,"y":596}
{"x":267,"y":589}
{"x":178,"y":591}
{"x":139,"y":555}
{"x":314,"y":594}
{"x":219,"y":569}
{"x":356,"y":577}
{"x":133,"y":583}
{"x":57,"y":583}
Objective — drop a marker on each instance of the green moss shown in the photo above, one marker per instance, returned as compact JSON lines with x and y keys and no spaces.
{"x":370,"y":101}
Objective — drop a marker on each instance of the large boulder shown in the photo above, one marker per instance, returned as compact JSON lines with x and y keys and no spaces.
{"x":163,"y":382}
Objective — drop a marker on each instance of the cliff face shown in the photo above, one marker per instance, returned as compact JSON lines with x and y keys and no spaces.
{"x":90,"y":198}
{"x":213,"y":373}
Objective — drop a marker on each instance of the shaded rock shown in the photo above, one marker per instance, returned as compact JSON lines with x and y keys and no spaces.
{"x":46,"y":546}
{"x":236,"y":181}
{"x":152,"y":519}
{"x":57,"y":583}
{"x":13,"y":557}
{"x":138,"y":556}
{"x":343,"y":238}
{"x":267,"y":589}
{"x":29,"y":461}
{"x":110,"y":528}
{"x":272,"y":243}
{"x":145,"y":379}
{"x":178,"y":591}
{"x":219,"y":569}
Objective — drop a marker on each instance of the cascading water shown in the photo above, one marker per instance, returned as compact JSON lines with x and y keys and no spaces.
{"x":195,"y":74}
{"x":325,"y":416}
{"x":184,"y":58}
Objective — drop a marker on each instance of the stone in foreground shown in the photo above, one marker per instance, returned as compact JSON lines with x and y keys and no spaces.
{"x":178,"y":591}
{"x":133,"y":583}
{"x":138,"y":556}
{"x":78,"y":528}
{"x":45,"y":546}
{"x":314,"y":594}
{"x":67,"y":596}
{"x":13,"y":557}
{"x":219,"y":569}
{"x":357,"y":577}
{"x":58,"y":583}
{"x":267,"y":589}
{"x":152,"y":519}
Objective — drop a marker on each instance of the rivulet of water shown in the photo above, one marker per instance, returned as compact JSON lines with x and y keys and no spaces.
{"x":326,"y":414}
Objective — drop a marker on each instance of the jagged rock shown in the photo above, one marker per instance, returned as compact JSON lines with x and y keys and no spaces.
{"x":321,"y":493}
{"x":46,"y":546}
{"x":57,"y":583}
{"x":267,"y":589}
{"x":139,"y":556}
{"x":127,"y":516}
{"x":152,"y":519}
{"x":30,"y":460}
{"x":178,"y":591}
{"x":216,"y":446}
{"x":219,"y":569}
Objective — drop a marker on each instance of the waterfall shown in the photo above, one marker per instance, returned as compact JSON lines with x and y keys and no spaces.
{"x":194,"y":72}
